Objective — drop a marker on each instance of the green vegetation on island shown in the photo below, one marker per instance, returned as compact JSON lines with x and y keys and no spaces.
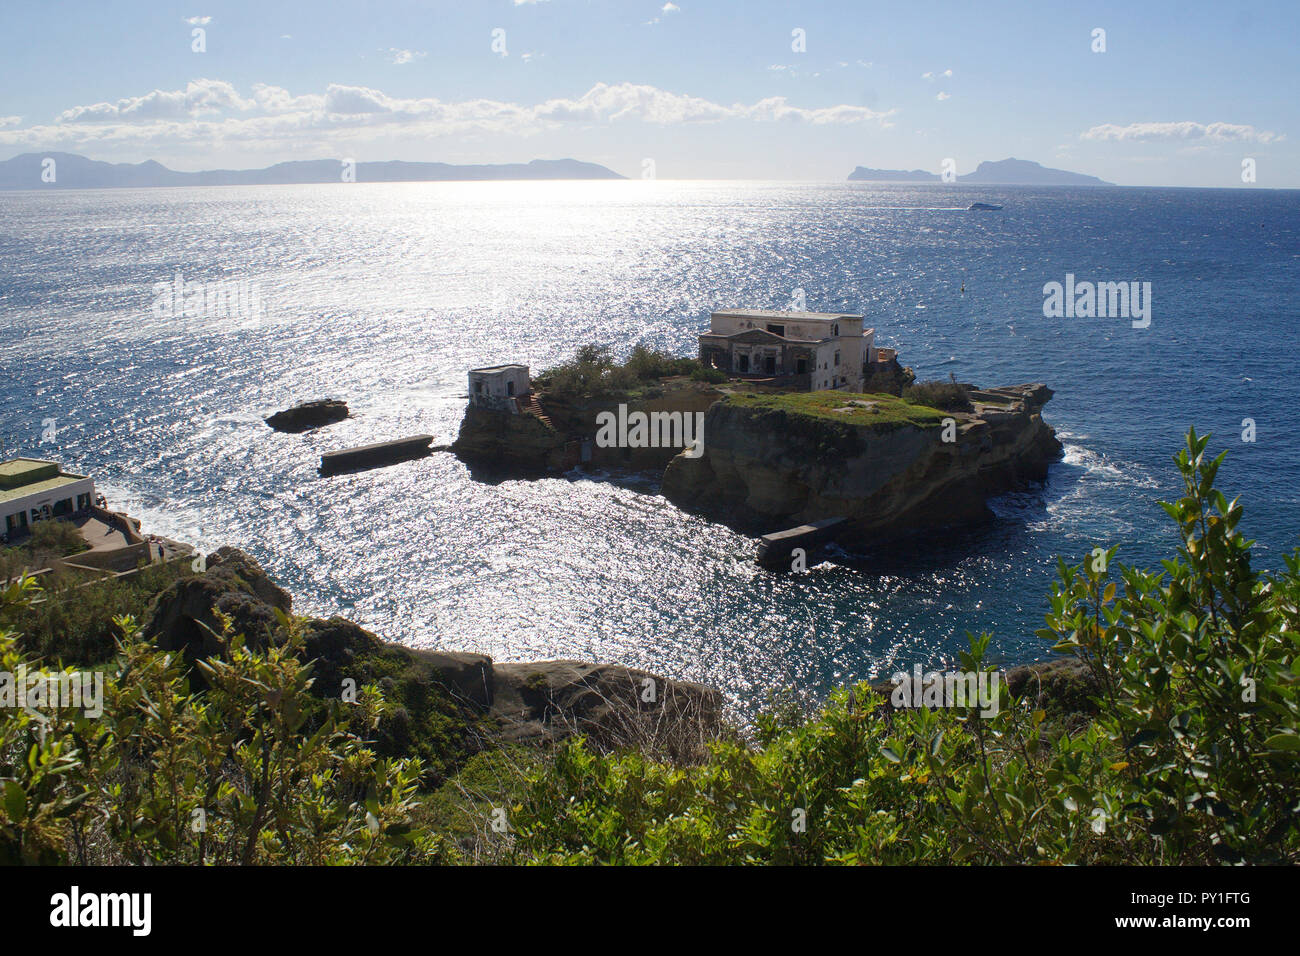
{"x":594,"y":373}
{"x":842,"y":407}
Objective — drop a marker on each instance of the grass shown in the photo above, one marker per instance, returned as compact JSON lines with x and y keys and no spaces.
{"x":843,"y":407}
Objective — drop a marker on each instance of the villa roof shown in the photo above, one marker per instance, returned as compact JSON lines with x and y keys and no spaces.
{"x":38,"y":487}
{"x":789,"y":316}
{"x":20,"y":477}
{"x":758,"y":335}
{"x":492,"y":369}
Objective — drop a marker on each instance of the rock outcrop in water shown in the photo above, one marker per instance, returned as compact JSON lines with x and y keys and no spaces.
{"x":765,"y":469}
{"x":308,"y":415}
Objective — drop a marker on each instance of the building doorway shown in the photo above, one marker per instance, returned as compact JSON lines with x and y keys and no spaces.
{"x":742,"y":362}
{"x":771,"y":365}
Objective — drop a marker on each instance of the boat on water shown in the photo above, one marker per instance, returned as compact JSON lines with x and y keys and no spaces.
{"x":984,"y":205}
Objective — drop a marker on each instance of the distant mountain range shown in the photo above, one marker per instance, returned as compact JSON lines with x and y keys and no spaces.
{"x":71,"y":171}
{"x":1007,"y":172}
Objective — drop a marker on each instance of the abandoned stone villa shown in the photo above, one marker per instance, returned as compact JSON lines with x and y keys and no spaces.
{"x":807,"y":350}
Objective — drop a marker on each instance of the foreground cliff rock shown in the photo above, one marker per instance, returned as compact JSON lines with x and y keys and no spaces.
{"x":770,"y":464}
{"x":450,"y":703}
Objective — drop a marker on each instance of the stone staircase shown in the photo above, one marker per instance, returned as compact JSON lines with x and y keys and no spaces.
{"x":529,"y":405}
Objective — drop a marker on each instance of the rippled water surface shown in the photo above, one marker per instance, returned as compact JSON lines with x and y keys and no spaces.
{"x":385,"y":294}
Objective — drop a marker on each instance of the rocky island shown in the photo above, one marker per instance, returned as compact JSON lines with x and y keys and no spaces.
{"x":886,"y":455}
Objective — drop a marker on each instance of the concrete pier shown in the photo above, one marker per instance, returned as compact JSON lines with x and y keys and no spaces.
{"x":775,"y":550}
{"x":377,"y":455}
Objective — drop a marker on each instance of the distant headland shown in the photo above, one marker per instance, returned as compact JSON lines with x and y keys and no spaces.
{"x":1006,"y":172}
{"x":71,"y":171}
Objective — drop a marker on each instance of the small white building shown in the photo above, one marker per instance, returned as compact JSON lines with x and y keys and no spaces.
{"x":33,"y":490}
{"x":818,"y":350}
{"x":497,"y":386}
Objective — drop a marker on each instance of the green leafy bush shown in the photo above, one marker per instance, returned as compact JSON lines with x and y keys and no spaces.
{"x":593,"y":372}
{"x":233,"y":774}
{"x":948,"y":396}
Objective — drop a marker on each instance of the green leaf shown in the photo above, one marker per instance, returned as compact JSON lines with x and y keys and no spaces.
{"x":15,"y":801}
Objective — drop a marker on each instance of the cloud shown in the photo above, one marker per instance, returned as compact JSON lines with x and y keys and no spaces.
{"x":945,"y":75}
{"x":1181,"y":132}
{"x":198,"y":97}
{"x":943,"y":96}
{"x":10,"y":121}
{"x":400,"y":57}
{"x":670,"y":7}
{"x":208,"y":113}
{"x":522,"y":3}
{"x":198,"y":21}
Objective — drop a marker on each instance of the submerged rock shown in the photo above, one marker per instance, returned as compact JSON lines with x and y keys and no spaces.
{"x":309,"y":415}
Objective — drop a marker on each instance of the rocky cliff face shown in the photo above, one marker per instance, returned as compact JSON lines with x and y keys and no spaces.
{"x":765,"y":471}
{"x":527,"y":444}
{"x":509,"y":442}
{"x":449,"y":702}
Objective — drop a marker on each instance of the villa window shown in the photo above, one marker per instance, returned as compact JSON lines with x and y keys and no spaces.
{"x":835,"y":330}
{"x":837,"y":359}
{"x":776,"y":329}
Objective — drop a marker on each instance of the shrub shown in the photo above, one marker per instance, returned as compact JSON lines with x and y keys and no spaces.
{"x":946,"y":396}
{"x":593,"y":372}
{"x":233,"y":774}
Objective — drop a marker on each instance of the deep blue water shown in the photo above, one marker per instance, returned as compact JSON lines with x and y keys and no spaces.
{"x":385,"y":294}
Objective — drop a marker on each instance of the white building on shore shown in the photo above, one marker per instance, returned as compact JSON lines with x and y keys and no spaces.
{"x":33,"y":490}
{"x":497,"y":386}
{"x":812,"y":350}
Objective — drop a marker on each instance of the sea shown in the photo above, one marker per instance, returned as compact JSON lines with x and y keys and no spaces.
{"x":384,"y":295}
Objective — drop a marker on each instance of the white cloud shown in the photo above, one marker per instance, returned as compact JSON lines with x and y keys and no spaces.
{"x":198,"y":21}
{"x":1183,"y":131}
{"x":400,"y":57}
{"x":198,"y":97}
{"x":670,"y":7}
{"x":212,"y":112}
{"x":10,"y":121}
{"x":943,"y":96}
{"x":945,"y":75}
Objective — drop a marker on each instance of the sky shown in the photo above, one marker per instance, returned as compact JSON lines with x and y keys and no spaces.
{"x":1182,"y":94}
